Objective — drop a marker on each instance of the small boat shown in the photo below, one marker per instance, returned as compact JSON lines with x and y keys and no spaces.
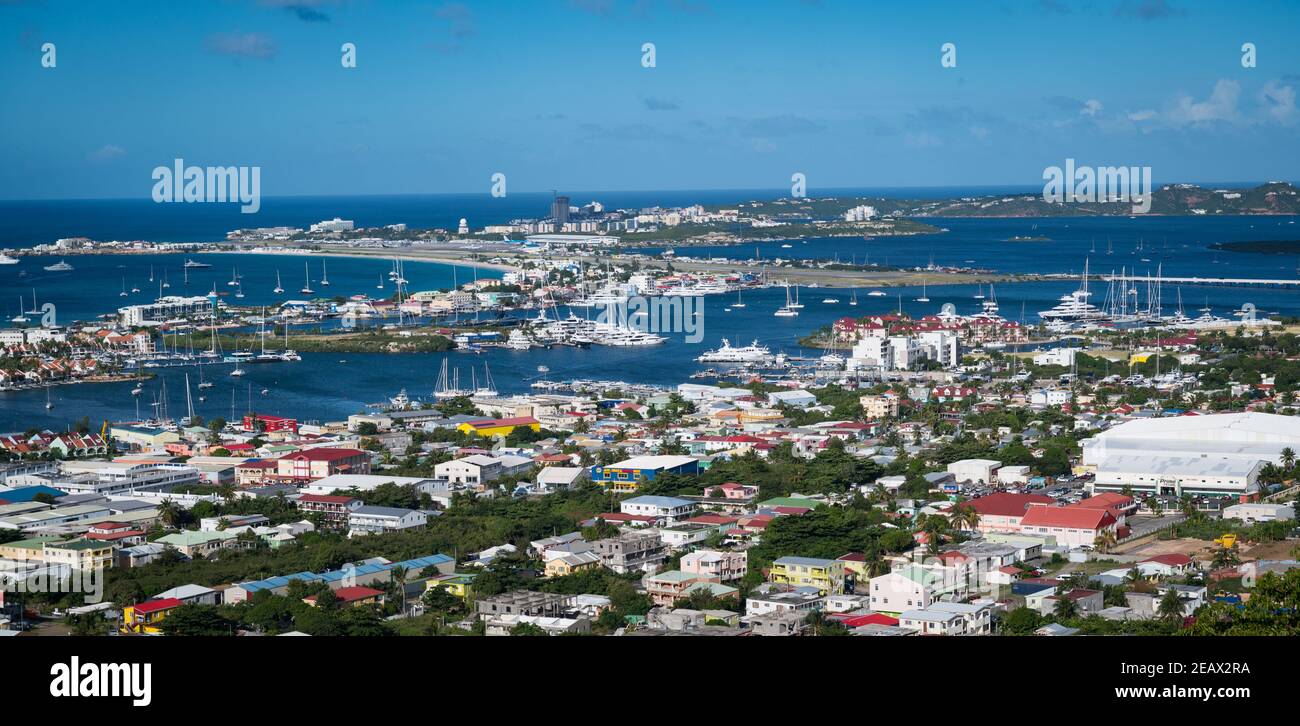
{"x":876,"y":293}
{"x":195,"y":265}
{"x":830,"y":301}
{"x":137,"y":391}
{"x":543,"y":369}
{"x":60,"y":266}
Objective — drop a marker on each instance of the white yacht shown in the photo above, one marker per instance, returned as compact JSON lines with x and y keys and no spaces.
{"x":753,"y":353}
{"x":1074,"y":307}
{"x":401,"y":401}
{"x":60,"y":266}
{"x":518,"y":340}
{"x":7,"y":260}
{"x":876,"y":293}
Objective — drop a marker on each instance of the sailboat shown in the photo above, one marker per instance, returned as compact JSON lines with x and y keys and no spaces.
{"x":854,"y":300}
{"x":238,"y":371}
{"x":22,"y":314}
{"x":239,"y":291}
{"x":739,"y":303}
{"x":381,"y":282}
{"x":165,"y":282}
{"x":306,"y":288}
{"x":923,"y":297}
{"x":123,"y":293}
{"x":48,"y":403}
{"x":324,"y":275}
{"x":488,"y":388}
{"x":796,"y":305}
{"x":189,"y":404}
{"x":979,"y":292}
{"x":234,"y":277}
{"x":787,"y":311}
{"x":278,"y":287}
{"x":202,"y":383}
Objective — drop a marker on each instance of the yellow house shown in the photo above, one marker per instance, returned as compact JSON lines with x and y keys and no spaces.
{"x":80,"y":554}
{"x":26,"y":550}
{"x":460,"y":585}
{"x":825,"y":575}
{"x":145,"y":618}
{"x":499,"y":426}
{"x":571,"y":563}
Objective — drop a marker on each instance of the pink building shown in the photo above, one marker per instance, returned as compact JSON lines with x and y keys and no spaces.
{"x":715,"y":564}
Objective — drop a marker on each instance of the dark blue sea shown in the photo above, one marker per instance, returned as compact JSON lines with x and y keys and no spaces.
{"x":331,"y":386}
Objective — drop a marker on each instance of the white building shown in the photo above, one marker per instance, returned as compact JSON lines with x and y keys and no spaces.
{"x":166,"y":308}
{"x":375,"y":520}
{"x":669,"y":508}
{"x":479,"y":470}
{"x":333,"y":225}
{"x":942,"y":346}
{"x":862,"y":213}
{"x":1259,"y":512}
{"x":1056,"y":357}
{"x":1177,"y":475}
{"x":1050,"y":397}
{"x":1245,"y":436}
{"x":979,"y":471}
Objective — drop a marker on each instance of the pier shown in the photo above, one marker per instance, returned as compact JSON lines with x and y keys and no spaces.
{"x":1221,"y":281}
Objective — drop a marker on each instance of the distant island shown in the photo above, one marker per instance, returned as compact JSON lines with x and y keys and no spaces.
{"x":1266,"y":247}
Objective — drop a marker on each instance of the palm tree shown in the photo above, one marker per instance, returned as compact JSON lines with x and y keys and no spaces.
{"x":964,"y":516}
{"x":878,"y":566}
{"x":1065,"y":608}
{"x":399,"y":576}
{"x":1224,"y":557}
{"x":169,"y":512}
{"x":1105,"y":540}
{"x":1170,"y":608}
{"x":1288,"y":458}
{"x":935,"y":526}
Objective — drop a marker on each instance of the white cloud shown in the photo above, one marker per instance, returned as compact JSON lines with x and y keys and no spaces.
{"x":1145,"y":114}
{"x":1278,"y":101}
{"x":1220,"y":106}
{"x":107,"y":152}
{"x":1091,"y":108}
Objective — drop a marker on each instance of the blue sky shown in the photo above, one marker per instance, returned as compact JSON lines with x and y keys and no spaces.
{"x":552,"y":93}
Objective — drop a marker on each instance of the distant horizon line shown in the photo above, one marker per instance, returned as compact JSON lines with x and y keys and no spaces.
{"x":757,"y":190}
